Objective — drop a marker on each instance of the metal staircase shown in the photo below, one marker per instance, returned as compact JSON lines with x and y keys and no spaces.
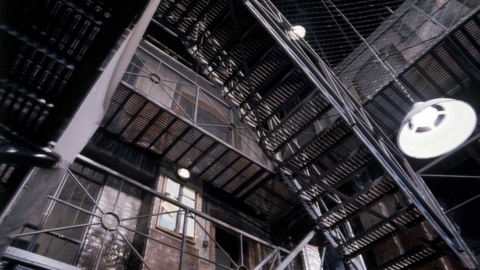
{"x":281,"y":89}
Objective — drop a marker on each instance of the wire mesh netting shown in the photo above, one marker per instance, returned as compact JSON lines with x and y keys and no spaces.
{"x":369,"y":42}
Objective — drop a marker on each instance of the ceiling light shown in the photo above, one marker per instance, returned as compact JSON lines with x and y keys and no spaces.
{"x":436,"y":127}
{"x":183,"y":173}
{"x":298,"y":31}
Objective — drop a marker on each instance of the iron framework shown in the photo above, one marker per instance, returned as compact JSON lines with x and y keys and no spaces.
{"x":240,"y":75}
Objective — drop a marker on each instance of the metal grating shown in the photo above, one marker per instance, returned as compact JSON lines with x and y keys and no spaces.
{"x":381,"y":232}
{"x":246,"y":174}
{"x":135,"y":119}
{"x":368,"y":196}
{"x":312,"y":151}
{"x":412,"y":259}
{"x":313,"y":107}
{"x":338,"y":174}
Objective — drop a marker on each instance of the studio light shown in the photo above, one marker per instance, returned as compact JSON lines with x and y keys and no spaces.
{"x":298,"y":31}
{"x":436,"y":127}
{"x":183,"y":173}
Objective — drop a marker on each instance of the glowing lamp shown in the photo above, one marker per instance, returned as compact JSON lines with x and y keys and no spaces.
{"x":183,"y":173}
{"x":298,"y":31}
{"x":436,"y":127}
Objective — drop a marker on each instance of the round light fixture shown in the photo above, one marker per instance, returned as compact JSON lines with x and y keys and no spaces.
{"x":436,"y":127}
{"x":298,"y":32}
{"x":183,"y":173}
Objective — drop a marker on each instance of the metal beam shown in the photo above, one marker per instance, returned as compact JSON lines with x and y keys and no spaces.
{"x":296,"y":250}
{"x":266,"y":260}
{"x":30,"y":258}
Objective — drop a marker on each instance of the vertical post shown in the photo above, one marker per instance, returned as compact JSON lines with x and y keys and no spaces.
{"x":184,"y":238}
{"x":196,"y":105}
{"x":241,"y":249}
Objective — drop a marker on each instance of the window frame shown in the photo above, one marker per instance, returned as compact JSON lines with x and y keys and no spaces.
{"x":176,"y":233}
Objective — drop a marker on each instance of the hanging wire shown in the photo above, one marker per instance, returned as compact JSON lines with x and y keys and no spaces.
{"x":369,"y":42}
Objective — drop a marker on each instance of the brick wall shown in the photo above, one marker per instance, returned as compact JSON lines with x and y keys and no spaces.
{"x":164,"y":257}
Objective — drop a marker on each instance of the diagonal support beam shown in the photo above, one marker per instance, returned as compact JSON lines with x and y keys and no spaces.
{"x":296,"y":250}
{"x":266,"y":260}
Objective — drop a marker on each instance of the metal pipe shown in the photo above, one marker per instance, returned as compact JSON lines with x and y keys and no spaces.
{"x":58,"y":229}
{"x":73,"y":206}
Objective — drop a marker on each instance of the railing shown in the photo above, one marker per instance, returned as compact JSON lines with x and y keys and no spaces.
{"x":191,"y":98}
{"x":84,"y":193}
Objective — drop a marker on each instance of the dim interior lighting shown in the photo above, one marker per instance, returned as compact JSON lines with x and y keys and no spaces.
{"x":436,"y":127}
{"x":298,"y":31}
{"x":183,"y":173}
